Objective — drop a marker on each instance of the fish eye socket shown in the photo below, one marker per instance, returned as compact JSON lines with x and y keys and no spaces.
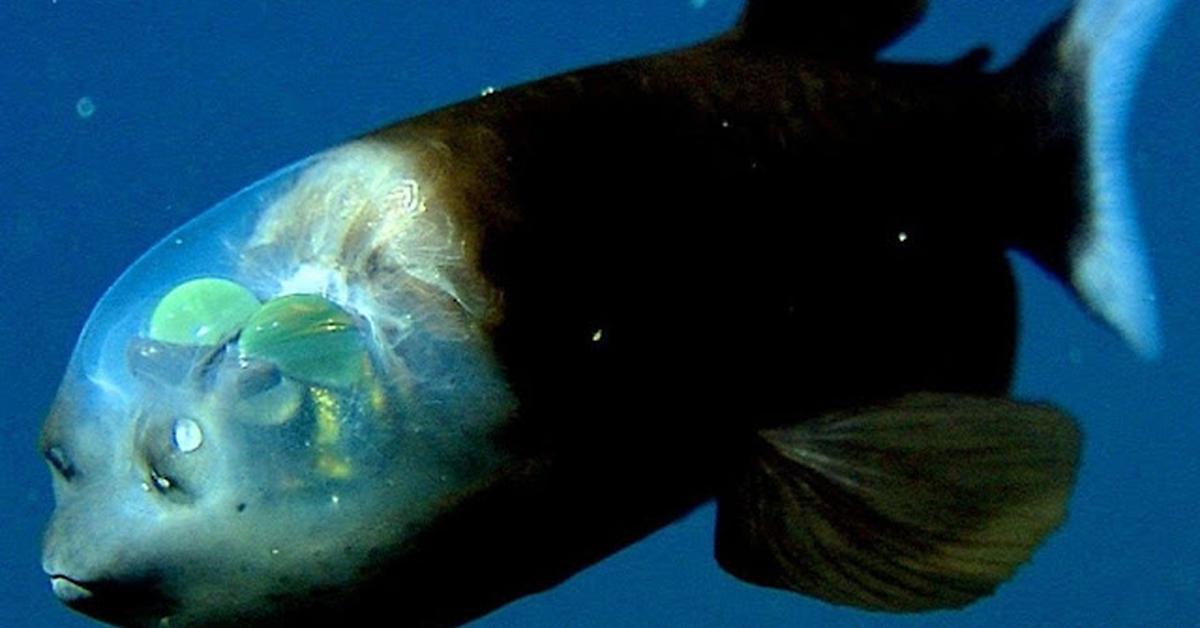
{"x":60,"y":462}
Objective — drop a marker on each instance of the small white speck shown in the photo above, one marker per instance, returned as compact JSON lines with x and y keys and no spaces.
{"x":145,"y":487}
{"x":187,"y":435}
{"x":902,"y":236}
{"x":274,"y":551}
{"x":178,"y":241}
{"x":597,"y":335}
{"x":85,"y":107}
{"x":335,"y":500}
{"x":724,"y":124}
{"x":487,"y":91}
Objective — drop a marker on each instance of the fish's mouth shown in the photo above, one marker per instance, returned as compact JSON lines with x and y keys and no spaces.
{"x":122,"y":603}
{"x":69,"y":591}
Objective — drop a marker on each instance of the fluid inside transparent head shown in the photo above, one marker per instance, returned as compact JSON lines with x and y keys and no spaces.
{"x":304,"y":338}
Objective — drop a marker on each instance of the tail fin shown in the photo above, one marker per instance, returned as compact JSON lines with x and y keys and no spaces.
{"x":1097,"y":55}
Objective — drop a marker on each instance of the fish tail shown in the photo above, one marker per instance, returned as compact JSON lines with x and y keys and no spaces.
{"x":1081,"y":72}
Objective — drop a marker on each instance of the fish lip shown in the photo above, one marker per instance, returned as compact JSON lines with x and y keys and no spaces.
{"x":69,"y":590}
{"x":125,"y":603}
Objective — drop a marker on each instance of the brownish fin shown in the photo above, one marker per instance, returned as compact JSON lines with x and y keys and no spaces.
{"x":928,"y":502}
{"x":854,"y":29}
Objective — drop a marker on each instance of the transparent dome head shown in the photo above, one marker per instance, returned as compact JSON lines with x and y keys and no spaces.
{"x":302,"y":369}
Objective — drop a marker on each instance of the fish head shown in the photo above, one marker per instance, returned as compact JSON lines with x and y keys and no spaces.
{"x":271,"y":402}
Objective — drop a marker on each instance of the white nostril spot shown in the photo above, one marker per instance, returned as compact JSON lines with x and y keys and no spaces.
{"x":187,"y":435}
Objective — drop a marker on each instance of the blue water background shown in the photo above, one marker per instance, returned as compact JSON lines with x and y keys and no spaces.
{"x":193,"y":100}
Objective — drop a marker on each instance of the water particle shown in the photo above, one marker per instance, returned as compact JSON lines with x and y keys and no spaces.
{"x":487,"y":91}
{"x":85,"y":107}
{"x":597,"y":335}
{"x":902,"y":236}
{"x":699,"y":4}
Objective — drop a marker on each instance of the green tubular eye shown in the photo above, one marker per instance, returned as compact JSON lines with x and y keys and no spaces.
{"x":201,"y":312}
{"x":309,"y":339}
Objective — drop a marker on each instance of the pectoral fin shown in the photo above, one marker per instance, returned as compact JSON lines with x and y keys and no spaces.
{"x":928,"y":502}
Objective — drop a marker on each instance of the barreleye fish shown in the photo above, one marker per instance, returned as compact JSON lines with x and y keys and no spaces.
{"x":454,"y":361}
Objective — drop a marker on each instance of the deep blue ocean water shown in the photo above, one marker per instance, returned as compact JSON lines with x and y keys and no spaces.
{"x":188,"y":102}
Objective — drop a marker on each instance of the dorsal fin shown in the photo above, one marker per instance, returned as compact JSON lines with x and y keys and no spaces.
{"x":853,"y":29}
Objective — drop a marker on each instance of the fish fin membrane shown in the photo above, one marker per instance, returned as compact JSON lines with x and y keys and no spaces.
{"x":927,"y":502}
{"x":1098,"y":55}
{"x":1105,"y":44}
{"x":828,"y":28}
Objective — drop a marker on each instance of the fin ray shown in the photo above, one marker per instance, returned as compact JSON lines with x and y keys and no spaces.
{"x":930,"y":501}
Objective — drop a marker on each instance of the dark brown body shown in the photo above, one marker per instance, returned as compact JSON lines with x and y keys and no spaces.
{"x":515,"y":335}
{"x":692,"y":245}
